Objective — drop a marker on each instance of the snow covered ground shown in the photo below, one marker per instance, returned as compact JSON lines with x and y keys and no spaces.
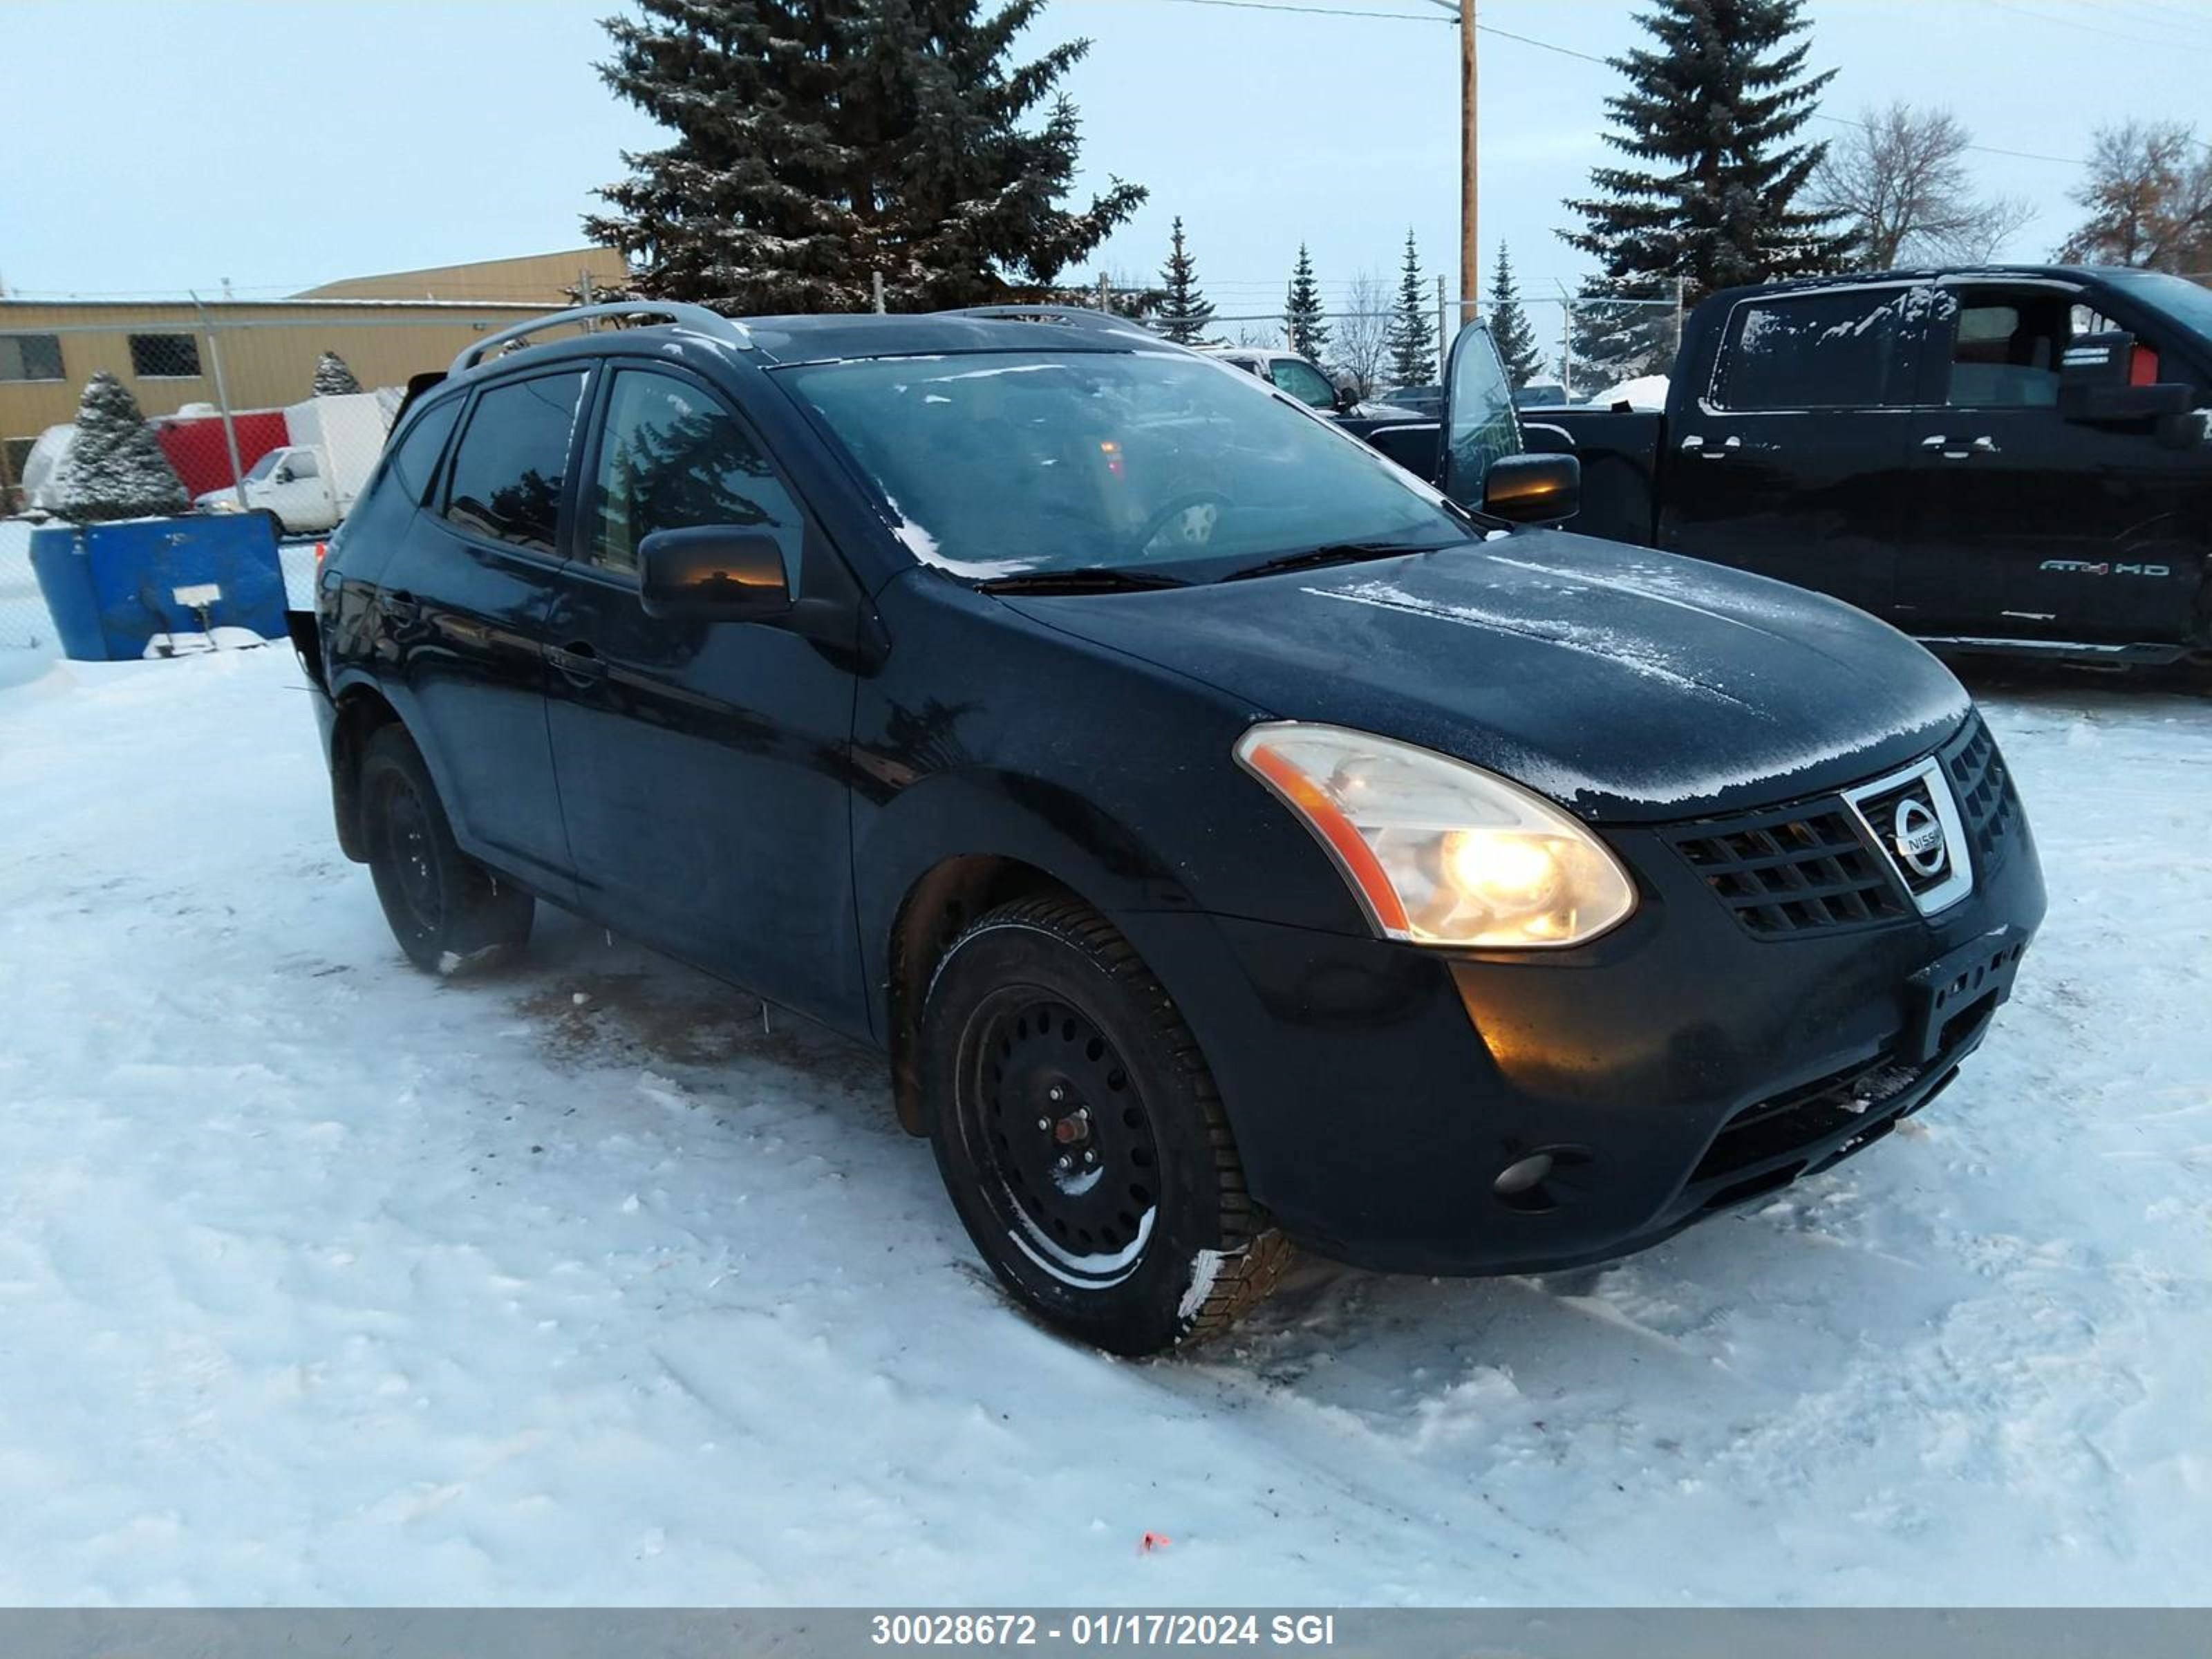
{"x":322,"y":1282}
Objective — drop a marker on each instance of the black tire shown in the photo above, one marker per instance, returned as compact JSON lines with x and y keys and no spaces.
{"x":450,"y":914}
{"x":1124,"y":1219}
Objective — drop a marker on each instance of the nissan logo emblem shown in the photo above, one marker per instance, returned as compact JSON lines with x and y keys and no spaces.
{"x":1918,"y":838}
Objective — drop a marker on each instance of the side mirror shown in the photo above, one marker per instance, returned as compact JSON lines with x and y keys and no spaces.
{"x":1347,"y":397}
{"x":1533,"y":489}
{"x":2121,"y":405}
{"x":712,"y":572}
{"x":283,"y":475}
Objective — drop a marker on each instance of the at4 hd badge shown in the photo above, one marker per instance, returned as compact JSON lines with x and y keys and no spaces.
{"x":2102,"y":568}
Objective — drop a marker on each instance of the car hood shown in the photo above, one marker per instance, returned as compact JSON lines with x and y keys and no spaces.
{"x":1628,"y":685}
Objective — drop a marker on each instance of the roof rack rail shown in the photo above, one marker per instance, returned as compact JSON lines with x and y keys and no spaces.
{"x":697,"y":319}
{"x":1104,"y":322}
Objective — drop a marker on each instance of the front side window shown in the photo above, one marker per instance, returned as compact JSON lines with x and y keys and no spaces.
{"x":302,"y":464}
{"x":1834,"y":350}
{"x":1003,"y":463}
{"x":672,"y":457}
{"x":1303,"y":381}
{"x":30,"y":357}
{"x":2006,"y":349}
{"x":1483,"y":426}
{"x":165,"y":356}
{"x":507,"y":472}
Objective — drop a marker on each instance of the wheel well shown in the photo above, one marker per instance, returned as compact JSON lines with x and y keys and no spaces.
{"x":943,"y":902}
{"x":362,"y":714}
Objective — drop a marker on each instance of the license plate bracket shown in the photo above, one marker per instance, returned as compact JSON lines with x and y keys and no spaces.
{"x":1972,"y":980}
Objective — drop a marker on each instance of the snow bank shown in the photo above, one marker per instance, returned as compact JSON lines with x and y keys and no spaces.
{"x":326,"y":1281}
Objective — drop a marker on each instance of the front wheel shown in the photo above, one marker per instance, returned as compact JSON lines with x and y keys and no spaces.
{"x":1081,"y":1137}
{"x":449,"y":913}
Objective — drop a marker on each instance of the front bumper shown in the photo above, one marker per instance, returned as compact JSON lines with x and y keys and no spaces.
{"x":1676,"y":1067}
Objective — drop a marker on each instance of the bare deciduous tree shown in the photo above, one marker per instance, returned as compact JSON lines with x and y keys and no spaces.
{"x":1902,"y":181}
{"x":1360,"y":331}
{"x":2149,"y":198}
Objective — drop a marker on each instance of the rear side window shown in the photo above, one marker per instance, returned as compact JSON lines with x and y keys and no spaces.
{"x":672,"y":458}
{"x":513,"y":455}
{"x":1841,"y":351}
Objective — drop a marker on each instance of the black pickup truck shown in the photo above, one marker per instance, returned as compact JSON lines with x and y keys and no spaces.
{"x":2013,"y":459}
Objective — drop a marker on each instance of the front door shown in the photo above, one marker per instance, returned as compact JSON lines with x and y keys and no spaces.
{"x":702,"y":766}
{"x":465,"y":597}
{"x":2026,"y":525}
{"x":1793,"y":461}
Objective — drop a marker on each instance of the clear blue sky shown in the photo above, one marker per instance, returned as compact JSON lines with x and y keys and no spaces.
{"x":158,"y":146}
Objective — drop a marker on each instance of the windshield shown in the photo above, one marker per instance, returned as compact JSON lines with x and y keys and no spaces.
{"x":264,"y":466}
{"x":1003,"y":463}
{"x":2178,"y":298}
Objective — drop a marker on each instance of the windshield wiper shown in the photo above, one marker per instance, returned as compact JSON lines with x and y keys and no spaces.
{"x":1334,"y":553}
{"x":1082,"y":579}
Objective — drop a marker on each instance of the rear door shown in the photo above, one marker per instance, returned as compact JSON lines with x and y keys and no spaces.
{"x":1793,"y":459}
{"x":702,"y":766}
{"x":2024,"y":523}
{"x":464,"y":600}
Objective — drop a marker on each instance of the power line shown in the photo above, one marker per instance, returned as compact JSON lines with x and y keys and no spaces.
{"x":1602,"y":62}
{"x":2092,"y":28}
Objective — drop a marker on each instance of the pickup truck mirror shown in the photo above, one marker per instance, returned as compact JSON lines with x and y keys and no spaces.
{"x":1533,"y":489}
{"x":2116,"y":405}
{"x":712,"y":572}
{"x":1347,"y":397}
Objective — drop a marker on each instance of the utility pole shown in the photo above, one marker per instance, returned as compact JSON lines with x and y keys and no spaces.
{"x":876,"y":280}
{"x":1470,"y":273}
{"x":223,"y":401}
{"x":1445,"y":336}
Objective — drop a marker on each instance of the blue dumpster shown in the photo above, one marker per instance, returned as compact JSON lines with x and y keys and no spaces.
{"x":111,"y":587}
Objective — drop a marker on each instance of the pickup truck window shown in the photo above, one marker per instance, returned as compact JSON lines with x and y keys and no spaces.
{"x":1303,"y":381}
{"x":2005,"y":351}
{"x":1822,"y":350}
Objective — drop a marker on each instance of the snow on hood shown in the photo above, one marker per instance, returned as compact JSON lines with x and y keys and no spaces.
{"x":1628,"y":685}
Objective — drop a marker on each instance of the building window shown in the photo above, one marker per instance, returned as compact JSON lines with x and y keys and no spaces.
{"x":13,"y":454}
{"x":30,"y":357}
{"x":165,"y":356}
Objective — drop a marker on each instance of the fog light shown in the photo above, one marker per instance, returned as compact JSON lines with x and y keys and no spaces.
{"x":1518,"y":1178}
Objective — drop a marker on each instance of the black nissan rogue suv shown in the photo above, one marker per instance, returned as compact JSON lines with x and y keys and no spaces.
{"x":1231,"y":839}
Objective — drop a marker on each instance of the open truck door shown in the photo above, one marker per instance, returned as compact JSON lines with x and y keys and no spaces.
{"x":1484,"y":462}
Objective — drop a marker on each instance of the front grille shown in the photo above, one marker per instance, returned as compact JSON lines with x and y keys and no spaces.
{"x":1979,"y":778}
{"x":1882,"y":813}
{"x":1792,"y":869}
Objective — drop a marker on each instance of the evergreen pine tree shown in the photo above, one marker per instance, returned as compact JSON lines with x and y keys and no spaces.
{"x":1708,"y":117}
{"x":333,"y":378}
{"x":114,"y":467}
{"x":1412,"y":337}
{"x":1613,"y":337}
{"x":819,"y":142}
{"x":1305,"y":323}
{"x":1184,"y":313}
{"x":1509,"y":327}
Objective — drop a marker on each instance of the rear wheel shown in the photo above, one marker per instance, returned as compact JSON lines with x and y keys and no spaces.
{"x":1080,"y":1135}
{"x":449,"y":913}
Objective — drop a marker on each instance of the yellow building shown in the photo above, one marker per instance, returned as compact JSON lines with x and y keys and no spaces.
{"x":264,"y":351}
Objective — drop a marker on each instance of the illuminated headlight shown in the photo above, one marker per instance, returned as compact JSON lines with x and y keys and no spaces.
{"x":1439,"y":851}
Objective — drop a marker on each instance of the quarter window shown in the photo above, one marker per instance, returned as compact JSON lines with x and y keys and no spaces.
{"x":1840,"y":351}
{"x":30,"y":357}
{"x":672,"y":457}
{"x":165,"y":356}
{"x":512,"y":459}
{"x":416,"y":459}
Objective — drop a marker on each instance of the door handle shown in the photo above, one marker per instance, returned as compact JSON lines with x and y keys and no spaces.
{"x":401,"y":606}
{"x":577,"y":662}
{"x":1984,"y":445}
{"x":1695,"y":445}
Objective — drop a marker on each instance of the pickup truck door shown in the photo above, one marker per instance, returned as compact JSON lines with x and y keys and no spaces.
{"x":702,"y":766}
{"x":1792,"y":459}
{"x":2025,"y":525}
